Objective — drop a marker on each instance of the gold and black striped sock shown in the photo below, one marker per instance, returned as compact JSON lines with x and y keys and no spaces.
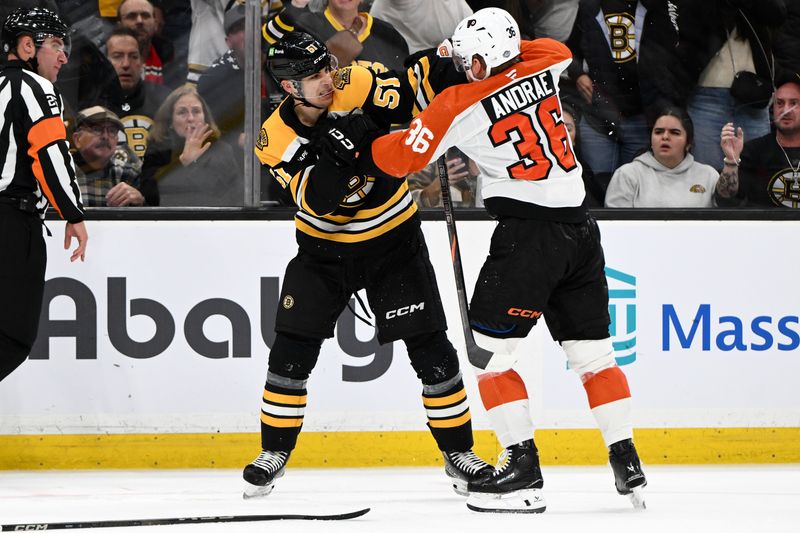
{"x":449,"y":418}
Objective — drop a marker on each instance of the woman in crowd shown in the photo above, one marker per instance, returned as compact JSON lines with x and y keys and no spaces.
{"x":186,"y":164}
{"x":666,"y":175}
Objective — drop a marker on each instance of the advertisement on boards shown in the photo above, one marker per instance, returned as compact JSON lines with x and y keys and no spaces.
{"x":167,"y":326}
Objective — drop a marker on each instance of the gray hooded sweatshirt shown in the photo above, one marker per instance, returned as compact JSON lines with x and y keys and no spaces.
{"x":644,"y":182}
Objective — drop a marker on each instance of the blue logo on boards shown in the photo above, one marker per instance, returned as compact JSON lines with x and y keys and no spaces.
{"x":622,"y":309}
{"x":704,"y":328}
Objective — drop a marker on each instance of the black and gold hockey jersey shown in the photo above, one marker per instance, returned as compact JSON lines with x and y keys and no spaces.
{"x":373,"y":211}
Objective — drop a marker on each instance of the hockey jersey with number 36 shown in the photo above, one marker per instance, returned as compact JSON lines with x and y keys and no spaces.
{"x":510,"y":124}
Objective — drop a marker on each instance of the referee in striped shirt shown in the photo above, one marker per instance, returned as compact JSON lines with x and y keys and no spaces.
{"x":36,"y":170}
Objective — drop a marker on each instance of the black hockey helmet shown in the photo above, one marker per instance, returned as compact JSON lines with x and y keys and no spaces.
{"x":38,"y":22}
{"x":298,"y":55}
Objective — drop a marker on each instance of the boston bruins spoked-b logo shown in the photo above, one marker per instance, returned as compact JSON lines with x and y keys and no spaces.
{"x":784,"y":189}
{"x":136,"y":132}
{"x":622,"y":36}
{"x":359,"y":187}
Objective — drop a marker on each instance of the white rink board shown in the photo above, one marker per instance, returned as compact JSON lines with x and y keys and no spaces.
{"x":723,"y":274}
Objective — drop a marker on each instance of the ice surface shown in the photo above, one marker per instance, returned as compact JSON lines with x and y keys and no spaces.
{"x":732,"y":499}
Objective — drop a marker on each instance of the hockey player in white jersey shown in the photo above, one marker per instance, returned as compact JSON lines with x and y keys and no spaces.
{"x":545,"y":256}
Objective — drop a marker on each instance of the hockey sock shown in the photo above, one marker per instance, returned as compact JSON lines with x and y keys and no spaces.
{"x":282,"y":411}
{"x":610,"y":401}
{"x":506,"y":401}
{"x":449,"y":418}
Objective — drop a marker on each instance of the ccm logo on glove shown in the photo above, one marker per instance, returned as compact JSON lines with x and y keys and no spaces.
{"x":339,"y":136}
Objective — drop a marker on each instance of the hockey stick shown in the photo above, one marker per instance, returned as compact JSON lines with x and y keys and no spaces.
{"x":184,"y":520}
{"x":477,"y":356}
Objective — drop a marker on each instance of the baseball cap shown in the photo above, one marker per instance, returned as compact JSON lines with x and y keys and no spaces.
{"x":96,"y":114}
{"x":787,"y":76}
{"x":233,"y":15}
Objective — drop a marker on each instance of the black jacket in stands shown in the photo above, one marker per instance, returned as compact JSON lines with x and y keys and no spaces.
{"x":628,"y":47}
{"x":34,"y":154}
{"x":703,"y":31}
{"x":136,"y":110}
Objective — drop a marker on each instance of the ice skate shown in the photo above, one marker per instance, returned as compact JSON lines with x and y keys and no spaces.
{"x":464,"y":468}
{"x":260,"y":475}
{"x":628,"y":476}
{"x":515,"y":487}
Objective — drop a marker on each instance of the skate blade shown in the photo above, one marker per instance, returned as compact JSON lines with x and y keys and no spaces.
{"x":520,"y":501}
{"x":256,"y":491}
{"x":459,"y":487}
{"x":637,"y":498}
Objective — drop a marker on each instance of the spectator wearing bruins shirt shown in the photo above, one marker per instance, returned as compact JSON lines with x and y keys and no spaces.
{"x":136,"y":101}
{"x":353,"y":232}
{"x":383,"y":46}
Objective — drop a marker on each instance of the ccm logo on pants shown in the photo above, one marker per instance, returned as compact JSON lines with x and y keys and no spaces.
{"x":407,"y":310}
{"x":524,"y":313}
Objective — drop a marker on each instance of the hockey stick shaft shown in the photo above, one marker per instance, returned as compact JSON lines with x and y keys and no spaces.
{"x":44,"y":526}
{"x":477,"y":355}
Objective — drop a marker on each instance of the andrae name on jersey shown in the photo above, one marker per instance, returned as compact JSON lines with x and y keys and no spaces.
{"x":520,"y":95}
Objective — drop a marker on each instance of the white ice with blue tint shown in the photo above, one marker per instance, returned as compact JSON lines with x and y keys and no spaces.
{"x":730,"y":499}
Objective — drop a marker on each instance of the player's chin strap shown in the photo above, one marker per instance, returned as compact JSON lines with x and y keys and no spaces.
{"x":300,"y":99}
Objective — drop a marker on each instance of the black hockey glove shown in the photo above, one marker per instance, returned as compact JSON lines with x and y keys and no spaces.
{"x":342,"y":138}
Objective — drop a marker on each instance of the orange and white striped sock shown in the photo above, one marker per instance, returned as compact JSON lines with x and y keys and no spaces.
{"x":610,"y":401}
{"x":506,"y":401}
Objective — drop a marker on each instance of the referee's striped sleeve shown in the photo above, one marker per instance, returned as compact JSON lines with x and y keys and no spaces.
{"x":47,"y":137}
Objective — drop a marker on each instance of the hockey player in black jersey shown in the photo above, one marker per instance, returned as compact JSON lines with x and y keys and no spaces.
{"x":353,"y":232}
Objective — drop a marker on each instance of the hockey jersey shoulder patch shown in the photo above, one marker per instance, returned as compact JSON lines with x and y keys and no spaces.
{"x":276,"y":142}
{"x":445,"y":49}
{"x":263,"y":139}
{"x":352,"y":85}
{"x":341,"y":78}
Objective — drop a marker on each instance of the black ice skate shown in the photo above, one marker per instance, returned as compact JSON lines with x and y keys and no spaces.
{"x":464,"y":468}
{"x":261,"y":474}
{"x":628,"y":476}
{"x":515,"y":487}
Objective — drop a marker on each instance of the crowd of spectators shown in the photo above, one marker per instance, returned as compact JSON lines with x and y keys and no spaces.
{"x":661,"y":101}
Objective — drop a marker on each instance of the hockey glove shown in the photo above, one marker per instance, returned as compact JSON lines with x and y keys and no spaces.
{"x":342,"y":138}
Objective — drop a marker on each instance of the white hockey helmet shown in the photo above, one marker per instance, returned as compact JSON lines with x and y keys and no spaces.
{"x":491,"y":33}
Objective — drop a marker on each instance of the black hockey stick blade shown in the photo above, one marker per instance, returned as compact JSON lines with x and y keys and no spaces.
{"x":477,"y":356}
{"x":44,"y":526}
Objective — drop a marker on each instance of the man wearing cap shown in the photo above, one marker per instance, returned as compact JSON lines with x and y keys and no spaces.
{"x":765,"y":172}
{"x":36,"y":170}
{"x":108,"y":173}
